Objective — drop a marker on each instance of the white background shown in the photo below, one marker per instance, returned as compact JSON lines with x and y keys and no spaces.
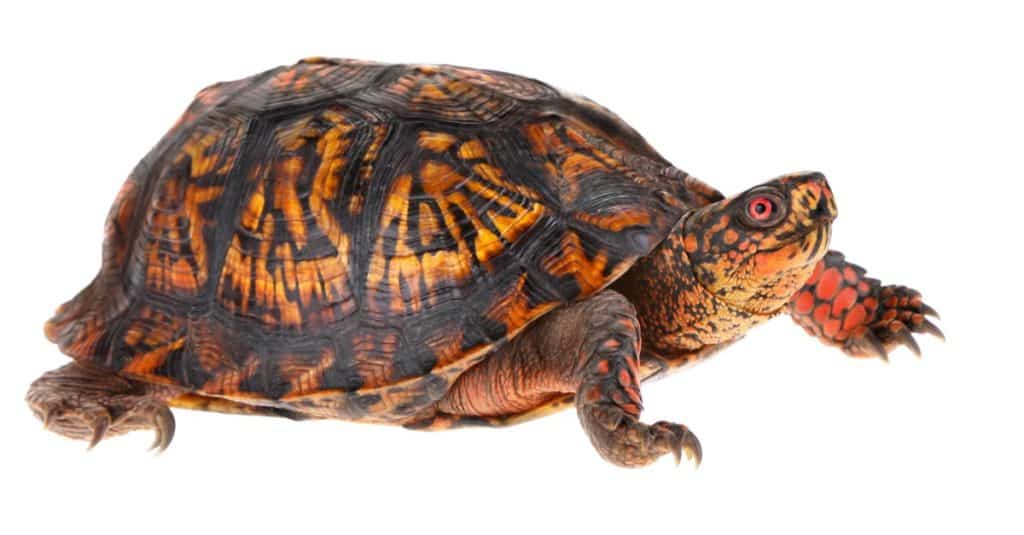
{"x":914,"y":111}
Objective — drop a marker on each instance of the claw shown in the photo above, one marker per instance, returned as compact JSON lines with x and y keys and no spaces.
{"x":691,"y":446}
{"x":48,"y":415}
{"x":929,"y":311}
{"x":99,"y":429}
{"x":163,"y":429}
{"x":905,"y":337}
{"x":677,"y":453}
{"x":876,"y":346}
{"x":679,"y":440}
{"x":930,"y":328}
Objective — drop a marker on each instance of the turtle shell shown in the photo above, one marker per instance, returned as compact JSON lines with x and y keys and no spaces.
{"x":348,"y":236}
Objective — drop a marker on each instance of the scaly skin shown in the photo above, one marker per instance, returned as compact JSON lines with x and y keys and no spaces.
{"x":590,"y":349}
{"x":684,"y":308}
{"x":717,"y":275}
{"x":842,"y":307}
{"x":371,"y":236}
{"x":711,"y":280}
{"x":84,"y":402}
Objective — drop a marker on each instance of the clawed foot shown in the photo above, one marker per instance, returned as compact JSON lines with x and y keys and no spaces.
{"x":94,"y":422}
{"x":842,"y":306}
{"x":88,"y":404}
{"x":625,"y":441}
{"x":679,"y":440}
{"x":901,"y":313}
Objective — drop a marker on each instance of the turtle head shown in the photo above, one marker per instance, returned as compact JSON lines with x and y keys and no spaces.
{"x":756,"y":249}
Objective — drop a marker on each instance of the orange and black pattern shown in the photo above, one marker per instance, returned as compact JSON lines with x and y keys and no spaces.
{"x":841,"y":306}
{"x":346,"y":237}
{"x":718,"y":277}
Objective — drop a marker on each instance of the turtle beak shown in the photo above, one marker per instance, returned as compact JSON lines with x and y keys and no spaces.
{"x":826,"y":208}
{"x":815,"y":196}
{"x":825,"y":211}
{"x":811,"y":197}
{"x":819,"y":241}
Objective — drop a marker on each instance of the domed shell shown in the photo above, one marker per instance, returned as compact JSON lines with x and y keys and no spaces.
{"x":363,"y":233}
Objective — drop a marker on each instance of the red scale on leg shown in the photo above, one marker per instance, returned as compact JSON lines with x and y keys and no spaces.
{"x":855,"y":317}
{"x":843,"y":301}
{"x":840,"y":305}
{"x":821,"y":314}
{"x":828,"y":285}
{"x":804,"y":302}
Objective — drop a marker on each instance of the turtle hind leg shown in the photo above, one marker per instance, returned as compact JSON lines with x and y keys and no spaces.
{"x":84,"y":402}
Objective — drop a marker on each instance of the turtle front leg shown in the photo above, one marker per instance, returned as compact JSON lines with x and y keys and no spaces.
{"x":84,"y":402}
{"x":844,"y":308}
{"x":590,"y":349}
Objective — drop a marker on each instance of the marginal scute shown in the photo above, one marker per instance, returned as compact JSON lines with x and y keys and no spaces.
{"x":303,"y":374}
{"x":344,"y":238}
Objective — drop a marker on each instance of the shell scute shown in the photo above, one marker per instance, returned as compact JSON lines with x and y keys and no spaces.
{"x":286,"y":263}
{"x":345,"y":238}
{"x":173,"y":246}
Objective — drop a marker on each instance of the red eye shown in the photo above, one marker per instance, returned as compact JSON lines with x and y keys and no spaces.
{"x":761,"y":209}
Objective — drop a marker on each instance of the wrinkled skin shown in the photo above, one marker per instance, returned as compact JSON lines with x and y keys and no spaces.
{"x":720,"y":273}
{"x":434,"y":246}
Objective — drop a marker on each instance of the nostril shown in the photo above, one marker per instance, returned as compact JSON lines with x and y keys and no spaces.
{"x":821,"y":210}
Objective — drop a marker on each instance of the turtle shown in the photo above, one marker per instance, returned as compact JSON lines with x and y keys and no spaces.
{"x":435,"y":246}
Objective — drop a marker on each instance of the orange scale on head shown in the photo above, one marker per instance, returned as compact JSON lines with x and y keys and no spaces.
{"x":690,"y":243}
{"x":730,"y":237}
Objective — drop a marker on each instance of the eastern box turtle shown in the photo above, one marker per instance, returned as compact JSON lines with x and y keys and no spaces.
{"x":435,"y":246}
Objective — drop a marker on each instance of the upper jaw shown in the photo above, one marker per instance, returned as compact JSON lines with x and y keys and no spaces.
{"x":815,"y":235}
{"x":822,"y":235}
